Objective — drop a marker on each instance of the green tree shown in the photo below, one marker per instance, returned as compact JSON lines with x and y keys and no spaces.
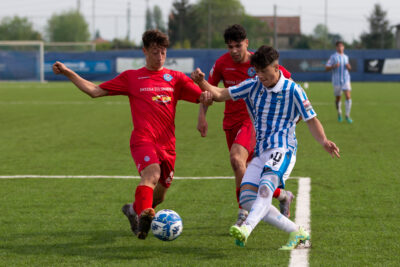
{"x":379,"y":35}
{"x":257,"y":31}
{"x":158,"y":19}
{"x":212,"y":17}
{"x":182,"y":27}
{"x":69,"y":26}
{"x":18,"y":28}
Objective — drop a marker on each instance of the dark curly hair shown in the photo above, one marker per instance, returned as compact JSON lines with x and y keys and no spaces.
{"x":264,"y":56}
{"x":234,"y":33}
{"x":156,"y":37}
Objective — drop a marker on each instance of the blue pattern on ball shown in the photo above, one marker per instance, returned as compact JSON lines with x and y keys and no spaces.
{"x":167,"y":225}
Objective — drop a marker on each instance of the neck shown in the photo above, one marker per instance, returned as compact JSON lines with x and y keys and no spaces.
{"x":275,"y":81}
{"x":153,"y":68}
{"x":246,"y":57}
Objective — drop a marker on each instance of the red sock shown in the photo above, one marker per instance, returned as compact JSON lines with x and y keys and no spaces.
{"x":143,"y":198}
{"x":277,"y":193}
{"x":238,"y":196}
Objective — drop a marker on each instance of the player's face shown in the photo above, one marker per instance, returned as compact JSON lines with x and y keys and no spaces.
{"x":340,"y":48}
{"x":269,"y":75}
{"x":238,"y":50}
{"x":155,"y":56}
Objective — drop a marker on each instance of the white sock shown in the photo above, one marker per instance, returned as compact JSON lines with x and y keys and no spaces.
{"x":262,"y":204}
{"x":339,"y":107}
{"x":348,"y":107}
{"x":275,"y":218}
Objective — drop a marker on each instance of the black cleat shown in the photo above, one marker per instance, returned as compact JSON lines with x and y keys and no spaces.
{"x":132,"y":217}
{"x":145,"y":219}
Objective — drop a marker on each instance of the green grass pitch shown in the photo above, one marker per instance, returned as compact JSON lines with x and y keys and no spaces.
{"x":55,"y":129}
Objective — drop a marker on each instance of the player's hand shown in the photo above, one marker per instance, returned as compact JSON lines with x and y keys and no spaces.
{"x":331,"y":148}
{"x":202,"y":127}
{"x":59,"y":68}
{"x":197,"y":76}
{"x":206,"y":98}
{"x":337,"y":65}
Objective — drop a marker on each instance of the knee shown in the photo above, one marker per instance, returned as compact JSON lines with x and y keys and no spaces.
{"x":264,"y":191}
{"x":237,"y":161}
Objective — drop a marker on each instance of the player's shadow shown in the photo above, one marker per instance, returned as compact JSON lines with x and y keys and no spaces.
{"x":106,"y":245}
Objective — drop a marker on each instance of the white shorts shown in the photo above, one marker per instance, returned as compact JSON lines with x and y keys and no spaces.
{"x":279,"y":161}
{"x":339,"y":88}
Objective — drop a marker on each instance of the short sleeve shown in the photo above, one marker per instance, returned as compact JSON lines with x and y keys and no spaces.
{"x":302,"y":104}
{"x":187,"y":90}
{"x":242,"y":90}
{"x":215,"y":75}
{"x":331,"y":61}
{"x":118,"y":85}
{"x":285,"y":72}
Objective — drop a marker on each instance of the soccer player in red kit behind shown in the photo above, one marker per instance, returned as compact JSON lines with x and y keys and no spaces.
{"x":153,"y":93}
{"x":232,"y":68}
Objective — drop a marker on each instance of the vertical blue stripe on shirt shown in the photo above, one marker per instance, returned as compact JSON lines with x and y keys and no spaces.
{"x":303,"y":110}
{"x":280,"y":115}
{"x":260,"y":109}
{"x":270,"y":118}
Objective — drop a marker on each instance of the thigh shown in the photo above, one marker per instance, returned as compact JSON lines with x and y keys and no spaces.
{"x":277,"y":161}
{"x":246,"y":137}
{"x":289,"y":170}
{"x":144,"y":155}
{"x":230,"y":135}
{"x":337,"y":90}
{"x":167,"y":167}
{"x":253,"y":173}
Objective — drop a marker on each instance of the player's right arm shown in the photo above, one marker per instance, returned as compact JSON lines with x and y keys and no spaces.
{"x":331,"y":64}
{"x":85,"y":86}
{"x":218,"y":94}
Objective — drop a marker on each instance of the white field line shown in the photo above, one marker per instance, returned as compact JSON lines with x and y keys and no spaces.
{"x":34,"y":176}
{"x":299,"y":257}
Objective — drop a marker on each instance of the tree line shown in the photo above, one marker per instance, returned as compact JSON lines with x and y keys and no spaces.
{"x":198,"y":25}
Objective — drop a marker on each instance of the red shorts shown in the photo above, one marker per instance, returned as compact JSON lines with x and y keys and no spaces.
{"x":244,"y":135}
{"x":149,"y":153}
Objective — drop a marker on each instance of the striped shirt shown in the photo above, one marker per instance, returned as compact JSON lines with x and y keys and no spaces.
{"x":340,"y":75}
{"x":274,"y":111}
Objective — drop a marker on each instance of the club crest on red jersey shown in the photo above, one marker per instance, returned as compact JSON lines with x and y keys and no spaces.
{"x":251,"y":71}
{"x":168,"y":77}
{"x":162,"y":99}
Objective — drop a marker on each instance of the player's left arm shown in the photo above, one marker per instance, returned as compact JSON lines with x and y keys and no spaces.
{"x":317,"y":131}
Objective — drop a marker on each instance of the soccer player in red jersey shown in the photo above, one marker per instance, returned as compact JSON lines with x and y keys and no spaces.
{"x":232,"y":68}
{"x":153,"y":93}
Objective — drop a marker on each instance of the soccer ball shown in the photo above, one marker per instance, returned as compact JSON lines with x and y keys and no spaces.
{"x":167,"y":225}
{"x":306,"y":85}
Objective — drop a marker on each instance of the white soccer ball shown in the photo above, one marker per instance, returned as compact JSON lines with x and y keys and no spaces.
{"x":306,"y":85}
{"x":166,"y":225}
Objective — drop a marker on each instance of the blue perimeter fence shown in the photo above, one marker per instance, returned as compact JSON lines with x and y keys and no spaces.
{"x":305,"y":65}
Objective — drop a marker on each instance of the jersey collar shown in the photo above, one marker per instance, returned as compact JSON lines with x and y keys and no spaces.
{"x":278,"y":86}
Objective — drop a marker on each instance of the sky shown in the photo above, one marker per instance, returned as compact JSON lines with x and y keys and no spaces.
{"x":345,"y":17}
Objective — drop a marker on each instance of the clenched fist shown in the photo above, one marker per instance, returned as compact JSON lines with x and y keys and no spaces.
{"x":197,"y":76}
{"x":60,"y":68}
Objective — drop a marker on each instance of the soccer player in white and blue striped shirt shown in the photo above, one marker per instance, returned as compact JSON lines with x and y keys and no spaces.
{"x":339,"y":64}
{"x":275,"y":105}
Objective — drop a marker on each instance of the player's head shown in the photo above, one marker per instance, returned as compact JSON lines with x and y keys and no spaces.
{"x":155,"y":45}
{"x":339,"y":46}
{"x":237,"y":43}
{"x":265,"y":61}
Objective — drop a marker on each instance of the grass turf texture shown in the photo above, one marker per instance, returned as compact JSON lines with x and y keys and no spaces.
{"x":54,"y":129}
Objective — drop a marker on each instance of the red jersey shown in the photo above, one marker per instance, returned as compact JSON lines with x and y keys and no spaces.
{"x":153,"y":96}
{"x":232,"y":73}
